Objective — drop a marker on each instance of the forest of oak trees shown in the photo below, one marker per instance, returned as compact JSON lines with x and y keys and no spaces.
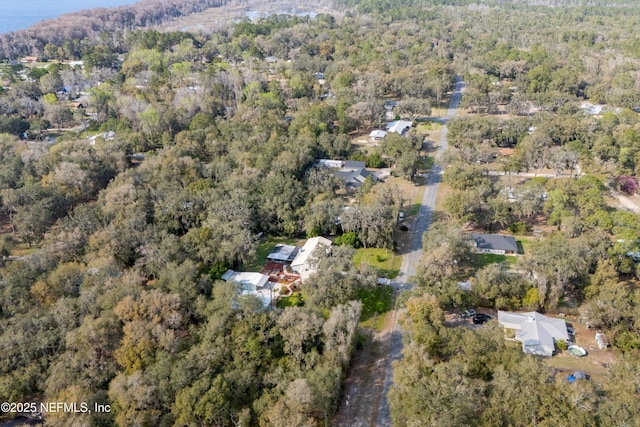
{"x":113,"y":292}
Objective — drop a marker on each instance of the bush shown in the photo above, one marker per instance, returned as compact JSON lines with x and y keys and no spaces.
{"x":531,"y":300}
{"x":561,"y":344}
{"x":375,"y":160}
{"x":348,"y":239}
{"x":382,"y":258}
{"x":314,"y":232}
{"x":518,"y":228}
{"x":628,"y":184}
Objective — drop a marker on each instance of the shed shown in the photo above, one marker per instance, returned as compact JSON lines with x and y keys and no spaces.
{"x":602,"y":341}
{"x":377,"y":135}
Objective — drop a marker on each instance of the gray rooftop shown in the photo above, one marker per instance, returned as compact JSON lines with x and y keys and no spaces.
{"x":285,"y":253}
{"x":495,"y":242}
{"x":355,"y":178}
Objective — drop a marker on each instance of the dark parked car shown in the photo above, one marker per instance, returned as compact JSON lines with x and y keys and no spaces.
{"x":481,"y":318}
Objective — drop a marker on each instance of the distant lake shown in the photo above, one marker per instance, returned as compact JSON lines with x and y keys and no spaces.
{"x":17,"y":15}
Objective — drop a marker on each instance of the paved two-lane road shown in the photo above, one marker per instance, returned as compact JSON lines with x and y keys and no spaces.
{"x":410,"y":260}
{"x":423,"y":219}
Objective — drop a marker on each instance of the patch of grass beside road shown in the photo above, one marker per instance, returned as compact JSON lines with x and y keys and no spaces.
{"x":384,"y":260}
{"x":376,"y":302}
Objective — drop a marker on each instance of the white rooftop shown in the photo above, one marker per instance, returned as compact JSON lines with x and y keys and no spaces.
{"x":536,"y":331}
{"x":264,"y":295}
{"x":399,"y":126}
{"x":254,"y":280}
{"x":300,"y":263}
{"x":251,"y":284}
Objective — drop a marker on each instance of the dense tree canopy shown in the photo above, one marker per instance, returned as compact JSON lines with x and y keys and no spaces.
{"x":129,"y":184}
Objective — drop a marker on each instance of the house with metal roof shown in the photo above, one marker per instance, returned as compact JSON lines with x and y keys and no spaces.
{"x":494,"y":244}
{"x":377,"y":135}
{"x":399,"y":126}
{"x":305,"y":262}
{"x":352,"y":172}
{"x":354,"y":179}
{"x":283,"y":253}
{"x":250,"y":283}
{"x":537,"y":332}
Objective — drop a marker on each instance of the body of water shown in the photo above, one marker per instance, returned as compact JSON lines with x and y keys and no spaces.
{"x":17,"y":15}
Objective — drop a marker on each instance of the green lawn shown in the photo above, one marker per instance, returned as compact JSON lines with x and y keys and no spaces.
{"x":265,"y":247}
{"x":481,"y":260}
{"x":387,"y":263}
{"x":375,"y":303}
{"x":295,"y":299}
{"x":525,"y":243}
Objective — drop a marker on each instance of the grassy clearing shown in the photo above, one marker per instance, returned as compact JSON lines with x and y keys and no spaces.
{"x":411,"y":192}
{"x":376,"y":302}
{"x":482,"y":260}
{"x":384,"y":260}
{"x":525,"y":243}
{"x":569,"y":364}
{"x":443,"y":191}
{"x":428,"y":126}
{"x":293,"y":300}
{"x":265,"y":247}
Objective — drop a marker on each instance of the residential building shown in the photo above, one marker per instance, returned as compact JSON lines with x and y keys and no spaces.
{"x":249,"y":283}
{"x":537,"y":332}
{"x":494,"y":244}
{"x":305,"y":262}
{"x":354,"y":179}
{"x":351,"y":172}
{"x":377,"y":135}
{"x":284,"y":253}
{"x":399,"y":126}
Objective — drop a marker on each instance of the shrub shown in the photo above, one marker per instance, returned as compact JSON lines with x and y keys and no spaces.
{"x":375,"y":160}
{"x":518,"y":228}
{"x":628,"y":184}
{"x":349,"y":238}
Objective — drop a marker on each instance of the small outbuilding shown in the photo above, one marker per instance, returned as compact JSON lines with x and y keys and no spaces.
{"x":602,"y":341}
{"x":249,"y":283}
{"x":377,"y":135}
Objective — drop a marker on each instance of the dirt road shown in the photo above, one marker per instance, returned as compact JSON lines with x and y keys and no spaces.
{"x":365,"y":380}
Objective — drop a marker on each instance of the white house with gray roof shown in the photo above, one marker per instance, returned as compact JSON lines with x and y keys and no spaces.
{"x":249,"y":283}
{"x":305,"y":262}
{"x":494,"y":244}
{"x":537,"y":332}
